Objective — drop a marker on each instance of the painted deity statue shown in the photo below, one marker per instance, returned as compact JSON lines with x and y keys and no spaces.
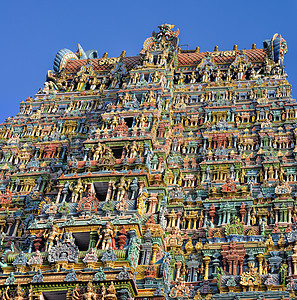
{"x":107,"y":237}
{"x":122,"y":188}
{"x":77,"y":190}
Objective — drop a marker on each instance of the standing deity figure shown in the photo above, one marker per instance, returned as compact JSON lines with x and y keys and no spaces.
{"x":75,"y":293}
{"x":107,"y":236}
{"x":90,"y":294}
{"x":218,"y":76}
{"x":98,"y":152}
{"x":135,"y":78}
{"x":125,"y":98}
{"x":77,"y":190}
{"x":148,"y":59}
{"x":122,"y":188}
{"x":150,"y":97}
{"x":52,"y":236}
{"x":19,"y":293}
{"x":133,"y":150}
{"x":163,"y":59}
{"x":141,"y":120}
{"x":181,"y":78}
{"x":228,"y":75}
{"x":93,"y":83}
{"x":81,"y":81}
{"x":240,"y":71}
{"x":205,"y":75}
{"x":192,"y":77}
{"x":114,"y":122}
{"x":156,"y":77}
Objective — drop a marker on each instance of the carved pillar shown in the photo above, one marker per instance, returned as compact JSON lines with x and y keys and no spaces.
{"x":178,"y":265}
{"x":290,"y":214}
{"x":155,"y":250}
{"x":173,"y":219}
{"x":285,"y":218}
{"x":294,"y":260}
{"x":248,"y":221}
{"x":265,"y":169}
{"x":189,"y":219}
{"x":195,"y":219}
{"x":224,"y":217}
{"x":206,"y":261}
{"x":228,"y":217}
{"x":18,"y":220}
{"x":179,"y":214}
{"x":205,"y":220}
{"x":276,"y":215}
{"x":60,"y":188}
{"x":240,"y":266}
{"x":260,"y":259}
{"x":235,"y":263}
{"x":289,"y":260}
{"x":230,"y":266}
{"x":220,"y":218}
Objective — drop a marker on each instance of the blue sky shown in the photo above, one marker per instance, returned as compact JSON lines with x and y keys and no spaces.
{"x":33,"y":31}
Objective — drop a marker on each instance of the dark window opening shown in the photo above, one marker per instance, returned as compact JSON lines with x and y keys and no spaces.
{"x":59,"y":295}
{"x":117,"y":152}
{"x":129,"y":121}
{"x":101,"y":190}
{"x":82,"y":240}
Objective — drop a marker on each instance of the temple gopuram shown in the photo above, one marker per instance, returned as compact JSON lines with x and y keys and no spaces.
{"x":166,"y":175}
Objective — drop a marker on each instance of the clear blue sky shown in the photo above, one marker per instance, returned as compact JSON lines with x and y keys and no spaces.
{"x":33,"y":31}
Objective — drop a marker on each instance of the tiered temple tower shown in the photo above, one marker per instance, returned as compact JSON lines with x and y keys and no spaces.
{"x":167,"y":175}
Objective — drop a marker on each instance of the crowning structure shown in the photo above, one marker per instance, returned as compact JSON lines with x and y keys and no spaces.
{"x":167,"y":175}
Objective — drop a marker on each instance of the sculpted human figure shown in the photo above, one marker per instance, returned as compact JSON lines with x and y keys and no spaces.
{"x":148,"y":59}
{"x":205,"y":75}
{"x":111,"y":292}
{"x":192,"y":77}
{"x":156,"y":77}
{"x":114,"y":122}
{"x":93,"y":83}
{"x":240,"y":71}
{"x":75,"y":293}
{"x":125,"y":98}
{"x":5,"y":295}
{"x":77,"y":190}
{"x":107,"y":236}
{"x":133,"y":151}
{"x":145,"y":59}
{"x":150,"y":97}
{"x":163,"y":59}
{"x":98,"y":152}
{"x":122,"y":188}
{"x":135,"y":78}
{"x":141,"y":121}
{"x":228,"y":75}
{"x":89,"y":295}
{"x":102,"y":292}
{"x":218,"y":75}
{"x":181,"y":78}
{"x":19,"y":293}
{"x":53,"y":235}
{"x":81,"y":80}
{"x":46,"y":89}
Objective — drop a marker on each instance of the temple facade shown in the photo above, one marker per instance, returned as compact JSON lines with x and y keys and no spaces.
{"x":166,"y":175}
